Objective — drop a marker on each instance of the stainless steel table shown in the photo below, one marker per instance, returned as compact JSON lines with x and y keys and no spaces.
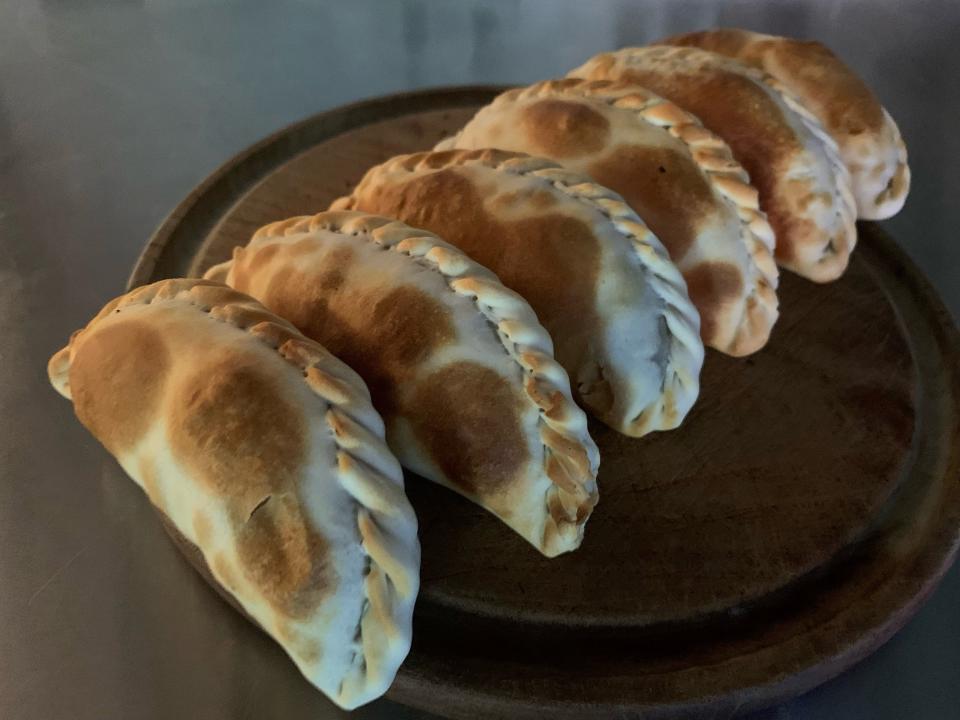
{"x":110,"y":112}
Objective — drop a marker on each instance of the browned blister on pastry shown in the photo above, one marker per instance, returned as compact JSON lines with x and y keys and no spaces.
{"x":792,"y":160}
{"x":264,"y":452}
{"x":678,"y":176}
{"x":869,"y":139}
{"x":458,"y":365}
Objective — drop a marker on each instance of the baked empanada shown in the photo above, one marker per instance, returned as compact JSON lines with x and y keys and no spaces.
{"x":792,"y":160}
{"x":679,"y":177}
{"x":869,"y":139}
{"x":458,"y":365}
{"x":264,"y":452}
{"x":598,"y":279}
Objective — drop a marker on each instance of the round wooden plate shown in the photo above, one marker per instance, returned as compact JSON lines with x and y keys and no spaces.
{"x":801,"y":514}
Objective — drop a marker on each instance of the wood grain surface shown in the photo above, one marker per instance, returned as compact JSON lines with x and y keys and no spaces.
{"x":800,"y":515}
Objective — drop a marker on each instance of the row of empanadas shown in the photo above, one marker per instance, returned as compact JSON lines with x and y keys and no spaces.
{"x":268,"y":455}
{"x":264,"y":453}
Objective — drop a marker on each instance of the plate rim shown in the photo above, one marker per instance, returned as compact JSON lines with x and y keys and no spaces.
{"x":199,"y":202}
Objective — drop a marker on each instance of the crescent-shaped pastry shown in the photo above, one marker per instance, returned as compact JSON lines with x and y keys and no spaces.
{"x":868,"y":138}
{"x":598,"y":279}
{"x":792,"y":160}
{"x":264,"y":452}
{"x":457,"y":364}
{"x":679,"y":177}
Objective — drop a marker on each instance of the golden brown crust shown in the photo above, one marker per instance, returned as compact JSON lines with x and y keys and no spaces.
{"x":468,"y":440}
{"x":713,"y":282}
{"x":236,"y":431}
{"x":566,"y":128}
{"x":405,"y":325}
{"x":655,"y":200}
{"x":120,"y":407}
{"x":282,"y":554}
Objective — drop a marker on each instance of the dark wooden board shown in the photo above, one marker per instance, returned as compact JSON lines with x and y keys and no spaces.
{"x":804,"y":510}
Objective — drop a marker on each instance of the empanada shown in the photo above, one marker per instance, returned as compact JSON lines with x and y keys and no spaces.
{"x":792,"y":160}
{"x":869,"y":139}
{"x":600,"y":282}
{"x":679,"y":177}
{"x":458,"y":365}
{"x":264,"y":452}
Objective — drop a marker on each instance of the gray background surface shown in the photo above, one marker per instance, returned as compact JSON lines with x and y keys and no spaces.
{"x":111,"y":111}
